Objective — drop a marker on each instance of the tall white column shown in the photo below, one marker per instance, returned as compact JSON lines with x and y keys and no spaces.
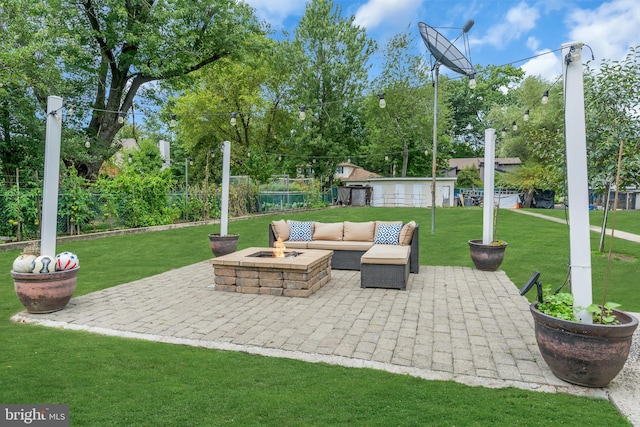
{"x":577,"y":178}
{"x":226,"y":168}
{"x":489,"y":174}
{"x":51,"y":176}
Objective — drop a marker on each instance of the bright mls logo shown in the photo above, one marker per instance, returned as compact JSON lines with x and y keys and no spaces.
{"x":34,"y":415}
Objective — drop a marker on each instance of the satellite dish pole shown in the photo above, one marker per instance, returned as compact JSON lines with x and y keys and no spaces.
{"x":447,"y":54}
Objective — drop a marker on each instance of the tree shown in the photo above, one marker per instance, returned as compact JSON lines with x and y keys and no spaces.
{"x":612,"y":98}
{"x":256,"y":98}
{"x":471,"y":107}
{"x":111,"y":49}
{"x":403,"y":128}
{"x":330,"y":54}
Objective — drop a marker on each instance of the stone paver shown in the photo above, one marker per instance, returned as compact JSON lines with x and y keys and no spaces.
{"x":452,"y":323}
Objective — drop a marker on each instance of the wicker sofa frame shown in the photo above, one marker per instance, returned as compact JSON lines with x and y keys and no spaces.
{"x":350,"y":259}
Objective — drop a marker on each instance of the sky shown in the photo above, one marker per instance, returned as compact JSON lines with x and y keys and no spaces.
{"x":524,"y":33}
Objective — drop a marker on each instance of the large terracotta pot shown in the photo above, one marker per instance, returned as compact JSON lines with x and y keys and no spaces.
{"x":223,"y":245}
{"x":487,"y":257}
{"x":45,"y":292}
{"x":582,"y":354}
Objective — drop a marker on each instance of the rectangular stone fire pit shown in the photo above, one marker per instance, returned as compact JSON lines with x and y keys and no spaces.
{"x":298,"y":274}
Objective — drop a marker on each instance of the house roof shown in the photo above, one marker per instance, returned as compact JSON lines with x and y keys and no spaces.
{"x":358,"y":173}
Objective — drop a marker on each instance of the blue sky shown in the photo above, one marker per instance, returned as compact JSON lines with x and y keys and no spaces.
{"x":504,"y":31}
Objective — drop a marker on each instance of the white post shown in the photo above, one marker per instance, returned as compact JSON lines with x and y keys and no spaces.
{"x":51,"y":176}
{"x":577,"y":179}
{"x":224,"y":211}
{"x":489,"y":174}
{"x":434,"y":157}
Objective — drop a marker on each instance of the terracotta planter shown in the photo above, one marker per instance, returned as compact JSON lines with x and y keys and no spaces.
{"x":46,"y":292}
{"x":223,"y":245}
{"x":486,"y":257}
{"x":586,"y":355}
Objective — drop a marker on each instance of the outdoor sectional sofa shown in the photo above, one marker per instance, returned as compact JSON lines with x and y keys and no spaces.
{"x":385,"y":252}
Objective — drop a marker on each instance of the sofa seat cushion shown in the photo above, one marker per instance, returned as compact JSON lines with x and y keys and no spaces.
{"x":387,"y":254}
{"x":293,"y":244}
{"x":337,"y":246}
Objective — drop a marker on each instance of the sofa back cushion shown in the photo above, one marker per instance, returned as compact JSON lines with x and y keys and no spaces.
{"x":359,"y":231}
{"x":406,"y":234}
{"x":327,"y":231}
{"x":300,"y":230}
{"x":387,"y":233}
{"x":280,"y":229}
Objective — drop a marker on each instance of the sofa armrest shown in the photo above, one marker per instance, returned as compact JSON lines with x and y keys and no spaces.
{"x":272,"y":236}
{"x":414,"y":258}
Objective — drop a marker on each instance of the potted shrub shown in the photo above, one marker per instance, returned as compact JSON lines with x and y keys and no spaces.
{"x":589,"y":355}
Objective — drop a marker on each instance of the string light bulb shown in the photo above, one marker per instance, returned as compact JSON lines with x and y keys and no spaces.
{"x":472,"y":81}
{"x":514,"y":125}
{"x":233,"y":120}
{"x":545,"y":97}
{"x":120,"y":117}
{"x":386,"y":157}
{"x":302,"y":115}
{"x":382,"y":102}
{"x":87,"y":142}
{"x":504,"y":132}
{"x":526,"y":116}
{"x":173,"y":122}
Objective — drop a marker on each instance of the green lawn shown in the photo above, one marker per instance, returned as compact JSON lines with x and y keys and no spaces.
{"x":114,"y":381}
{"x":626,"y":220}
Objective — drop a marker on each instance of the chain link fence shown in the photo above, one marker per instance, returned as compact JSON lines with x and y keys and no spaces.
{"x":83,"y":211}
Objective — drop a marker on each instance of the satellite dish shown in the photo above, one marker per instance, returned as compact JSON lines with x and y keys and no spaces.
{"x":444,"y":51}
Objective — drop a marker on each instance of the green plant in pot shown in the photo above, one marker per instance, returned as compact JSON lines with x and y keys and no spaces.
{"x":587,"y":354}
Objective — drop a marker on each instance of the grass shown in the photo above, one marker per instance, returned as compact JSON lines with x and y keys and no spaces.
{"x":115,"y":381}
{"x":626,"y":220}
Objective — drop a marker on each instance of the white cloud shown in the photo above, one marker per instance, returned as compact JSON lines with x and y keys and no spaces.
{"x":610,"y":29}
{"x":547,"y":65}
{"x":376,"y":12}
{"x":519,"y":20}
{"x":533,"y":43}
{"x":276,"y":12}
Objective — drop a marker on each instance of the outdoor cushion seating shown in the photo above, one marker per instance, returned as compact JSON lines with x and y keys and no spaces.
{"x":385,"y":266}
{"x":370,"y":246}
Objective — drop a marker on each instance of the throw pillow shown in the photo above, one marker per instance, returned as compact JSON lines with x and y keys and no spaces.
{"x":406,"y":234}
{"x":388,"y":234}
{"x":280,"y":229}
{"x":359,"y":231}
{"x":300,"y":231}
{"x":327,"y":231}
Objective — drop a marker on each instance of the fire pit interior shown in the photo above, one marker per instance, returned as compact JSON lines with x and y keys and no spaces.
{"x":273,"y":254}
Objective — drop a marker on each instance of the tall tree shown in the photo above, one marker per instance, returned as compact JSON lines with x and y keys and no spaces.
{"x":112,"y":48}
{"x":400,"y":131}
{"x":331,"y":56}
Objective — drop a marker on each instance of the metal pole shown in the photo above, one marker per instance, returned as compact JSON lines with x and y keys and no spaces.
{"x":434,"y":161}
{"x":51,"y":176}
{"x":226,"y":167}
{"x":577,"y":179}
{"x":186,"y":188}
{"x":489,"y":174}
